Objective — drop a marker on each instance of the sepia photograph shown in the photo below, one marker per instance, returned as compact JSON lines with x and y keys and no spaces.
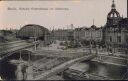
{"x":63,"y":40}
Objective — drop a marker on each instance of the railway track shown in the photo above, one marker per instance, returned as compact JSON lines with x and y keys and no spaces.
{"x":5,"y":47}
{"x":12,"y":47}
{"x":48,"y":64}
{"x":1,"y":44}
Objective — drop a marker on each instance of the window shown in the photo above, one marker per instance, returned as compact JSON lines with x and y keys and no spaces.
{"x":110,"y":39}
{"x":119,"y":39}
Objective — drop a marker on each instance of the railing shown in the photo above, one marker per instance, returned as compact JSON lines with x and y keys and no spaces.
{"x":8,"y":43}
{"x":62,"y":67}
{"x":12,"y":48}
{"x":98,"y":77}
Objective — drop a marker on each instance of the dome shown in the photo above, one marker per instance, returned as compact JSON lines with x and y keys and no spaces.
{"x":32,"y":30}
{"x":113,"y":13}
{"x":113,"y":16}
{"x":93,"y":26}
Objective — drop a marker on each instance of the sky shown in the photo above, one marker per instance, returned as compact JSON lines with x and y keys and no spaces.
{"x":16,"y":14}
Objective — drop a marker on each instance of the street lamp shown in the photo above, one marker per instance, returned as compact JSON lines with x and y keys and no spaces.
{"x":91,"y":43}
{"x":20,"y":57}
{"x":35,"y":42}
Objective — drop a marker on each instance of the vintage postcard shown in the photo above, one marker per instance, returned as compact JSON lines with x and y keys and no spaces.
{"x":63,"y":40}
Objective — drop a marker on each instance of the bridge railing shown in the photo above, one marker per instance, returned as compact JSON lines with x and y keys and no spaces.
{"x":62,"y":67}
{"x":10,"y":51}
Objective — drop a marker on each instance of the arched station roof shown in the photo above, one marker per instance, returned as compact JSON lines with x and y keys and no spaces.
{"x":32,"y":30}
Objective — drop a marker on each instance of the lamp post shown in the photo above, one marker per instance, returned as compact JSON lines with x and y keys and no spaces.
{"x":35,"y":42}
{"x":91,"y":43}
{"x":20,"y":56}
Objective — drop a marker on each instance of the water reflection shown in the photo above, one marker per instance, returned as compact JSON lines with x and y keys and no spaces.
{"x":7,"y":70}
{"x":111,"y":71}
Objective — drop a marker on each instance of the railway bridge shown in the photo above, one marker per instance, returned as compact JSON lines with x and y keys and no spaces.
{"x":56,"y":64}
{"x":62,"y":67}
{"x":18,"y":49}
{"x":14,"y":48}
{"x":28,"y":32}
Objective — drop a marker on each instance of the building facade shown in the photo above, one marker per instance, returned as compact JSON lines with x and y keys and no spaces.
{"x":62,"y":34}
{"x":115,"y":31}
{"x":88,"y":34}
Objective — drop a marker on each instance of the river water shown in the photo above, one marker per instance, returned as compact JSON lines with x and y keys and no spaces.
{"x":7,"y":70}
{"x":110,"y":71}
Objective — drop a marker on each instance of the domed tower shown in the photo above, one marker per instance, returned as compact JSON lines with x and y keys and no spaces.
{"x":113,"y":16}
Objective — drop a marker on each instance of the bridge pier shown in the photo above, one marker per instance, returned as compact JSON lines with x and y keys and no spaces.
{"x":24,"y":69}
{"x":29,"y":72}
{"x":18,"y":73}
{"x":29,"y":69}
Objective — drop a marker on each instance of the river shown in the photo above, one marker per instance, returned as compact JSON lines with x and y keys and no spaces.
{"x":7,"y":70}
{"x":111,"y":71}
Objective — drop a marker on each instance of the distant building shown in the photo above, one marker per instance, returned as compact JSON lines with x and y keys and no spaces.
{"x":6,"y":32}
{"x":88,"y":34}
{"x":5,"y":35}
{"x":1,"y":37}
{"x":62,"y":34}
{"x":94,"y":33}
{"x":1,"y":33}
{"x":79,"y":33}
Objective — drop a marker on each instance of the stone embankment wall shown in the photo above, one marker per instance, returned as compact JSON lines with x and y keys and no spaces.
{"x":111,"y":60}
